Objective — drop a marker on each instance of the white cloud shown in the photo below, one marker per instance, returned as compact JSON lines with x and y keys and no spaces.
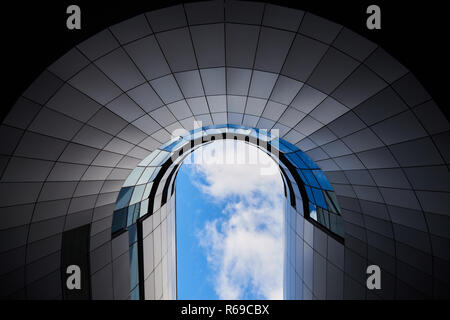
{"x":243,"y":246}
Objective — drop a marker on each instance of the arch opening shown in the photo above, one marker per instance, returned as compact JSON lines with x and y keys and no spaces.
{"x":147,"y":208}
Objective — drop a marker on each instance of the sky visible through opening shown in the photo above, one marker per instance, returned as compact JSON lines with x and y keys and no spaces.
{"x":229,"y":206}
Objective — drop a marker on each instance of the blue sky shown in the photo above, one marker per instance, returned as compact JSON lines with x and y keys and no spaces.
{"x":229,"y":224}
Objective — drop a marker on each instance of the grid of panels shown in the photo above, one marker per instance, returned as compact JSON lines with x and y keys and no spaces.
{"x":352,"y":108}
{"x":314,"y":266}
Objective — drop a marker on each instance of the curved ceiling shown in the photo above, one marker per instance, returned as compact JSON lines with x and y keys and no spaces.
{"x":86,"y":122}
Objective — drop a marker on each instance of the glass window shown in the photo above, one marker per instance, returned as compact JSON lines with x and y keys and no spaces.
{"x":123,"y":199}
{"x":137,"y":194}
{"x":302,"y":176}
{"x":160,"y":158}
{"x":148,"y":188}
{"x":282,"y":145}
{"x":144,"y":208}
{"x":332,"y":202}
{"x":137,"y":211}
{"x":133,"y":177}
{"x":312,"y":211}
{"x":134,"y":294}
{"x":130,"y":215}
{"x":213,"y":131}
{"x":243,"y":131}
{"x":155,"y":173}
{"x":310,"y":179}
{"x":307,"y":160}
{"x":169,"y":143}
{"x":178,"y":143}
{"x":132,"y":234}
{"x":323,"y":217}
{"x":288,"y":145}
{"x":133,"y":213}
{"x":149,"y":158}
{"x":133,"y":198}
{"x":233,"y":126}
{"x":309,"y":193}
{"x":337,"y":226}
{"x":134,"y":267}
{"x":253,"y":133}
{"x":318,"y":195}
{"x":145,"y":177}
{"x":296,"y":161}
{"x":322,"y":179}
